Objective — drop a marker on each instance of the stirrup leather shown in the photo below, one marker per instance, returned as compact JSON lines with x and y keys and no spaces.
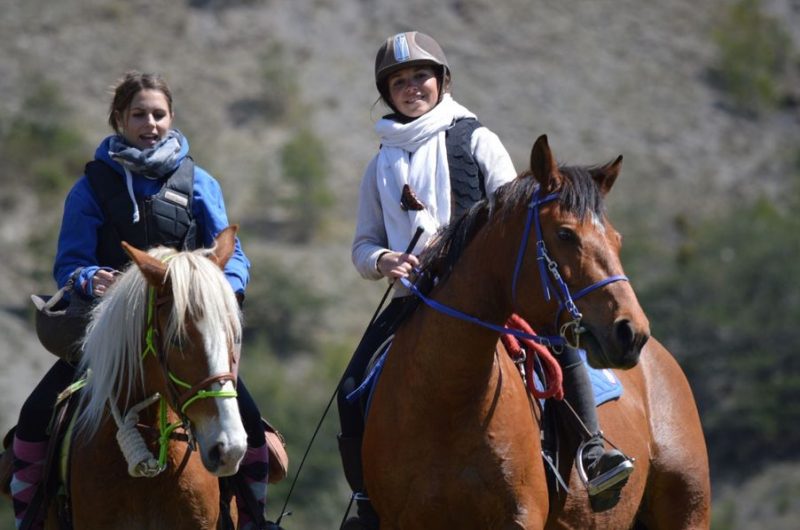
{"x":608,"y":478}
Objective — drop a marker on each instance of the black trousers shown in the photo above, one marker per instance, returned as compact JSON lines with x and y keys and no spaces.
{"x":351,"y":415}
{"x":38,"y":408}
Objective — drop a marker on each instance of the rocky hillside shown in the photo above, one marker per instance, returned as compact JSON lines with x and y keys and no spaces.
{"x":599,"y":77}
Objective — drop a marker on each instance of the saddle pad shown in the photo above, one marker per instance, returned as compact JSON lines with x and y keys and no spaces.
{"x":368,"y":384}
{"x":605,"y":383}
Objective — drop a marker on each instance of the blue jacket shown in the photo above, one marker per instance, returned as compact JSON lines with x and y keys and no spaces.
{"x":83,"y":217}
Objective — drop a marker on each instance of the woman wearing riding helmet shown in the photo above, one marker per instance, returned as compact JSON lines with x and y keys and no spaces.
{"x":435,"y":161}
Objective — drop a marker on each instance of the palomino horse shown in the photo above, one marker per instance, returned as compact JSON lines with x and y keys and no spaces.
{"x":453,"y":439}
{"x":162,"y":343}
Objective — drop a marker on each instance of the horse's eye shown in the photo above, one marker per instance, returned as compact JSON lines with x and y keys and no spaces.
{"x":565,"y":234}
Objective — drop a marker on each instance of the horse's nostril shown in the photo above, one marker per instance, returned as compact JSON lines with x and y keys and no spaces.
{"x":215,"y":455}
{"x":625,"y":333}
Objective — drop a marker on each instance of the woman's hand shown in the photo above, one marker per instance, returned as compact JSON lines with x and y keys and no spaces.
{"x":396,"y":265}
{"x":102,"y":280}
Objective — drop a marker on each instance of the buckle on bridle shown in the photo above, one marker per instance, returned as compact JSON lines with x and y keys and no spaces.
{"x":574,"y":328}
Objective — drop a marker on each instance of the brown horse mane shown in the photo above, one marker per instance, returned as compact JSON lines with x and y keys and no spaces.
{"x":578,"y":194}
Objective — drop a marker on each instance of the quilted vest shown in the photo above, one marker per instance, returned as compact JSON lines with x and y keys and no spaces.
{"x":466,"y":178}
{"x":165,"y":218}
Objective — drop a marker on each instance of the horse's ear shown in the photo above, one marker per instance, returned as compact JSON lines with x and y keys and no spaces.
{"x":544,"y":166}
{"x":606,"y":175}
{"x":154,"y":270}
{"x":224,"y":245}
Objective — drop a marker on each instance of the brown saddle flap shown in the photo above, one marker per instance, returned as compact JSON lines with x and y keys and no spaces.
{"x":278,"y":458}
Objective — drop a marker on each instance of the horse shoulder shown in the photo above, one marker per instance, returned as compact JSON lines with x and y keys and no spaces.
{"x":675,"y":421}
{"x":680,"y":482}
{"x":482,"y":441}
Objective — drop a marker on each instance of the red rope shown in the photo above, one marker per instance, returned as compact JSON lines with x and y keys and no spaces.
{"x":552,"y":371}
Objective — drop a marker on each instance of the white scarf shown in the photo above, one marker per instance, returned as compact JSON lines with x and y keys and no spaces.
{"x":426,"y":172}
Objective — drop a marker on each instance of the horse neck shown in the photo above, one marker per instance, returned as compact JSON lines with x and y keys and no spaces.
{"x":462,"y":350}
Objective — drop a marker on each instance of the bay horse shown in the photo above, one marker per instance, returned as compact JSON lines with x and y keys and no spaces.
{"x":163,"y":343}
{"x":452,"y":439}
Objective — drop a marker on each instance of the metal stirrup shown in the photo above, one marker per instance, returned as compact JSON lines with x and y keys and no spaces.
{"x":607,"y":479}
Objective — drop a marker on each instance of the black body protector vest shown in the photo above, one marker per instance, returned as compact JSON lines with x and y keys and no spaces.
{"x":164,"y":218}
{"x":467,"y":184}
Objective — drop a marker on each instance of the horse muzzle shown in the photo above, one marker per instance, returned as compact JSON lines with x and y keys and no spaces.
{"x":222,"y":442}
{"x":223,"y":458}
{"x":619,"y":347}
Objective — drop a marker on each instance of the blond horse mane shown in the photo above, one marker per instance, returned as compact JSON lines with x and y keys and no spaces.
{"x":114,"y":340}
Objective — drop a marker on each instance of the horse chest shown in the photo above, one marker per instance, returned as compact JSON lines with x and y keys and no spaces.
{"x":184,"y":497}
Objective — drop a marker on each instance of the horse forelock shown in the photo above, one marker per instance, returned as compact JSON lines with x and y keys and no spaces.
{"x":200,"y":290}
{"x":578,"y":193}
{"x":114,"y":340}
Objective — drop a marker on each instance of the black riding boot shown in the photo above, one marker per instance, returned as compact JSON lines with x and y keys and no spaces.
{"x":606,"y":472}
{"x":350,"y":451}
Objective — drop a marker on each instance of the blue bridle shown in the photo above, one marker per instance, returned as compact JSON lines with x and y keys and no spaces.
{"x":548,"y":274}
{"x":548,"y":268}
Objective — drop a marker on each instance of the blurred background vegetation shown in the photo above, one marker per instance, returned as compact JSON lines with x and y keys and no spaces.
{"x":715,"y":262}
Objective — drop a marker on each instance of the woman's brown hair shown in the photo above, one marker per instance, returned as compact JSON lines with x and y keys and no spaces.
{"x":126,"y":89}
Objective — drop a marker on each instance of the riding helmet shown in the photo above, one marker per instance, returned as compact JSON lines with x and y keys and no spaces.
{"x":61,"y":323}
{"x":408,"y":49}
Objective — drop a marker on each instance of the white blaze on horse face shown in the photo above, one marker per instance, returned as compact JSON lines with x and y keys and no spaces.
{"x":222,"y":438}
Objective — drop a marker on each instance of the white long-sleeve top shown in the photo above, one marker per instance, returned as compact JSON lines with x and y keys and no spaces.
{"x":370,"y":239}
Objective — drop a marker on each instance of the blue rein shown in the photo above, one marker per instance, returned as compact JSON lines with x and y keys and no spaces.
{"x":447,"y":310}
{"x":548,"y":274}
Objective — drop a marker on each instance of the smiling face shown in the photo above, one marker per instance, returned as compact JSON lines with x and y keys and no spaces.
{"x":414,"y":90}
{"x":146,"y":120}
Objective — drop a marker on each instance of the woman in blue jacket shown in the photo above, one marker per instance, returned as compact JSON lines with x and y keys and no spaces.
{"x":142,"y":187}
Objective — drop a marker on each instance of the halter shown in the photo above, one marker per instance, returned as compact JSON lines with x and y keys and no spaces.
{"x":548,"y":275}
{"x":179,"y":401}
